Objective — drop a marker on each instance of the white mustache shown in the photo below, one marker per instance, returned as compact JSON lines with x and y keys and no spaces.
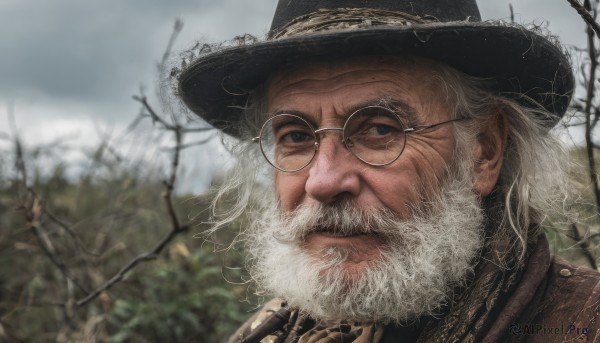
{"x":343,"y":219}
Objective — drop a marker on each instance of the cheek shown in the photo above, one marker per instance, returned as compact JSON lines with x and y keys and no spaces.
{"x":289,"y":189}
{"x":397,"y":189}
{"x":411,"y":181}
{"x":429,"y":162}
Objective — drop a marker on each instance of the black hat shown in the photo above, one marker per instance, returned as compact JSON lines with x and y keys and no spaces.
{"x":525,"y":65}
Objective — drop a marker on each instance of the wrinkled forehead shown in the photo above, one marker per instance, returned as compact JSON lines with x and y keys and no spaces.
{"x":348,"y":82}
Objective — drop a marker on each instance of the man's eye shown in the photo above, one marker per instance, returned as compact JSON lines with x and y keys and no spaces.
{"x":382,"y":129}
{"x":296,"y":137}
{"x":378,"y":130}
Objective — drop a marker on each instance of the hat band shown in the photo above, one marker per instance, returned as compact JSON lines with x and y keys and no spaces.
{"x":345,"y":19}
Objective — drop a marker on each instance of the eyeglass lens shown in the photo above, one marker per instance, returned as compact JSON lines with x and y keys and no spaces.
{"x":373,"y":134}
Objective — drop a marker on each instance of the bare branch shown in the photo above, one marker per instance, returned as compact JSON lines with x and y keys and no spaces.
{"x":576,"y":124}
{"x":115,"y":279}
{"x":155,"y":117}
{"x":512,"y":13}
{"x":585,"y":14}
{"x":34,"y":213}
{"x":587,"y":111}
{"x":176,"y":226}
{"x":197,"y":129}
{"x":177,"y":27}
{"x":198,"y":143}
{"x":134,"y":262}
{"x":584,"y":246}
{"x":35,"y":209}
{"x":69,"y":231}
{"x":170,"y":184}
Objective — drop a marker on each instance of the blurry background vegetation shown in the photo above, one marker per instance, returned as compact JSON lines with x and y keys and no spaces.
{"x":64,"y":236}
{"x":94,"y":225}
{"x":107,"y":253}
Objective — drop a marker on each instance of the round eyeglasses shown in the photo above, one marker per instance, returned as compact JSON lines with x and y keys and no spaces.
{"x":374,"y":134}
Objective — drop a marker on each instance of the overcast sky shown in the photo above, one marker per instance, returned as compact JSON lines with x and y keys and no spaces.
{"x":71,"y":66}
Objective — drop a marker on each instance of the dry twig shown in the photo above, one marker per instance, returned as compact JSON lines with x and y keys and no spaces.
{"x":176,"y":226}
{"x":583,"y":244}
{"x":584,"y":11}
{"x":35,"y":210}
{"x":586,"y":106}
{"x":590,"y":112}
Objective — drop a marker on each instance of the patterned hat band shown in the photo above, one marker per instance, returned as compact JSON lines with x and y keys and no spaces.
{"x":346,"y":19}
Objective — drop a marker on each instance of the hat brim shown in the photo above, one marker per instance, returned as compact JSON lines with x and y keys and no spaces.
{"x":524,"y":65}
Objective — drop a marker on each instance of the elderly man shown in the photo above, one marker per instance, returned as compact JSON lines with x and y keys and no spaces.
{"x":411,"y":166}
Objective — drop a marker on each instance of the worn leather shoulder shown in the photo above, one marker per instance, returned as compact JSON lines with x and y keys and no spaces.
{"x":569,"y":310}
{"x":255,"y":320}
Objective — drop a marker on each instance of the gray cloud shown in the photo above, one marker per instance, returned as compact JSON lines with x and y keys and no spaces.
{"x":96,"y":51}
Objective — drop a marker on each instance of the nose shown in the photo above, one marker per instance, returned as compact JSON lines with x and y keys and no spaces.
{"x":333,"y":173}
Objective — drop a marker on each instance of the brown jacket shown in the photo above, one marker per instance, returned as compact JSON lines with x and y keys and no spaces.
{"x":565,"y":307}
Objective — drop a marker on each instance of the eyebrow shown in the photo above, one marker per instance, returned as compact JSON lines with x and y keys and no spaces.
{"x":400,"y":107}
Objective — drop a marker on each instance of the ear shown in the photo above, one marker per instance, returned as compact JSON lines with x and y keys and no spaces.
{"x":489,"y":153}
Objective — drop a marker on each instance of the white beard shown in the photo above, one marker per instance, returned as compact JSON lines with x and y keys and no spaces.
{"x":422,"y":261}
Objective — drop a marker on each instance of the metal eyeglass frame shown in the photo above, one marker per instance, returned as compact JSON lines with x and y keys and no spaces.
{"x":414,"y":129}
